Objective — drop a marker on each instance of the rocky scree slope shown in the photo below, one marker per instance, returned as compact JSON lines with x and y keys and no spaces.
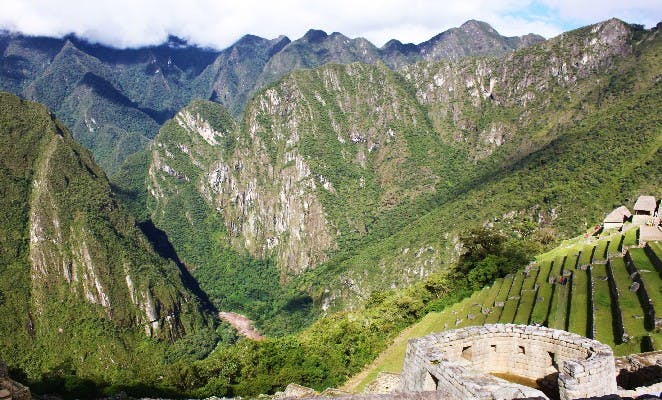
{"x":80,"y":287}
{"x":328,"y":166}
{"x":114,"y":100}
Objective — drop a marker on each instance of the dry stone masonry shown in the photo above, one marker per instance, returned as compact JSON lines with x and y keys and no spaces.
{"x":10,"y":389}
{"x":460,"y":362}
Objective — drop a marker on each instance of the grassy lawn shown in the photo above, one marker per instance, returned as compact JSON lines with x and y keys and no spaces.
{"x":586,"y":255}
{"x":543,"y":300}
{"x":516,"y":287}
{"x":615,"y":245}
{"x":657,"y":248}
{"x":502,"y":296}
{"x":573,"y":245}
{"x":602,"y":306}
{"x":649,"y":276}
{"x":631,"y":237}
{"x":525,"y":306}
{"x":628,"y":302}
{"x":492,"y":292}
{"x":656,"y":258}
{"x":579,"y":304}
{"x":571,"y":261}
{"x":509,"y":310}
{"x":472,"y":307}
{"x":530,"y":281}
{"x":557,"y":267}
{"x":493,"y":317}
{"x":600,"y":253}
{"x":544,"y":269}
{"x":559,"y":310}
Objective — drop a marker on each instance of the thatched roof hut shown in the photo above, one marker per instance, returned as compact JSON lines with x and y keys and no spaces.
{"x":645,"y":205}
{"x":619,"y":215}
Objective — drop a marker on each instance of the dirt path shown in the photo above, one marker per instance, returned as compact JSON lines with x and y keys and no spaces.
{"x":242,"y":324}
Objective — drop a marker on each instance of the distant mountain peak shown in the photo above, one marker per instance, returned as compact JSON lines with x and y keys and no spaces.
{"x":474,"y":23}
{"x":314,"y":36}
{"x":176,"y":42}
{"x":139,"y":77}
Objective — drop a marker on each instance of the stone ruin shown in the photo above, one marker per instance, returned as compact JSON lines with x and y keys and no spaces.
{"x":461,"y":363}
{"x":9,"y":389}
{"x":469,"y":363}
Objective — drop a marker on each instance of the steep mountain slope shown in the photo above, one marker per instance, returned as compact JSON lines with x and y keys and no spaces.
{"x":318,"y":158}
{"x":332,"y":167}
{"x":114,"y":100}
{"x":233,"y":73}
{"x":81,"y":290}
{"x":585,"y":142}
{"x":473,"y":38}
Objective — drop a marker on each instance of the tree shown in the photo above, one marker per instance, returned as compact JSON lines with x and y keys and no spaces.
{"x":484,"y":271}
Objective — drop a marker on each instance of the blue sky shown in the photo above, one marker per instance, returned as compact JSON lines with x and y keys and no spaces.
{"x":219,"y":23}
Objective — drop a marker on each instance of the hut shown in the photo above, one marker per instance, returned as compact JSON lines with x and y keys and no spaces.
{"x":645,"y":205}
{"x":616,"y":218}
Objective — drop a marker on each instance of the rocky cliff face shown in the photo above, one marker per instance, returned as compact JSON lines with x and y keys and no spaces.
{"x":315,"y":161}
{"x":115,"y":100}
{"x":503,"y":93}
{"x":72,"y":258}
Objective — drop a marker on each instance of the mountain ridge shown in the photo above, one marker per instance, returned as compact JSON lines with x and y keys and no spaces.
{"x":304,"y":129}
{"x":339,"y":186}
{"x":160,"y":80}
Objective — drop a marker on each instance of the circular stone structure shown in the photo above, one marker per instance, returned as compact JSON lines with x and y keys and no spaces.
{"x":460,"y":362}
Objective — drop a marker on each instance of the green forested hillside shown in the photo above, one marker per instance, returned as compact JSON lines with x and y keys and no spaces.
{"x":354,"y":179}
{"x":84,"y":300}
{"x":114,"y":100}
{"x":605,"y":155}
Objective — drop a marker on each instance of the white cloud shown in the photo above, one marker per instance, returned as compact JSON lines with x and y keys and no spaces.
{"x":218,"y":23}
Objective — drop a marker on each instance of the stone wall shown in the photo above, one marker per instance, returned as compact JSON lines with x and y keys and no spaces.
{"x":459,"y":361}
{"x":385,"y":382}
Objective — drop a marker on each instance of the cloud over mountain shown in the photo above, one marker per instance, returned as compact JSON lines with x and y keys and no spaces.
{"x":128,"y":23}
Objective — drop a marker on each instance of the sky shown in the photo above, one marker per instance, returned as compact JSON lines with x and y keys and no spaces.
{"x":219,"y":23}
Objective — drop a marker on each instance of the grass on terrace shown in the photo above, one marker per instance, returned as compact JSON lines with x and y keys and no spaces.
{"x":603,"y":318}
{"x":580,"y":305}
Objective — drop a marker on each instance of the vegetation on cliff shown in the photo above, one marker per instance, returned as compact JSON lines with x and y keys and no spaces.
{"x":349,"y":179}
{"x":84,"y":298}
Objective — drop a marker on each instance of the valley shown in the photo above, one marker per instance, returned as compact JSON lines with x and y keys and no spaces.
{"x":323,"y":198}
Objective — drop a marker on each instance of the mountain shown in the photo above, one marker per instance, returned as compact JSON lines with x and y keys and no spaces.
{"x":567,"y":130}
{"x":547,"y":140}
{"x":473,"y":38}
{"x":114,"y":100}
{"x":346,"y":187}
{"x":82,"y":292}
{"x":356,"y":178}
